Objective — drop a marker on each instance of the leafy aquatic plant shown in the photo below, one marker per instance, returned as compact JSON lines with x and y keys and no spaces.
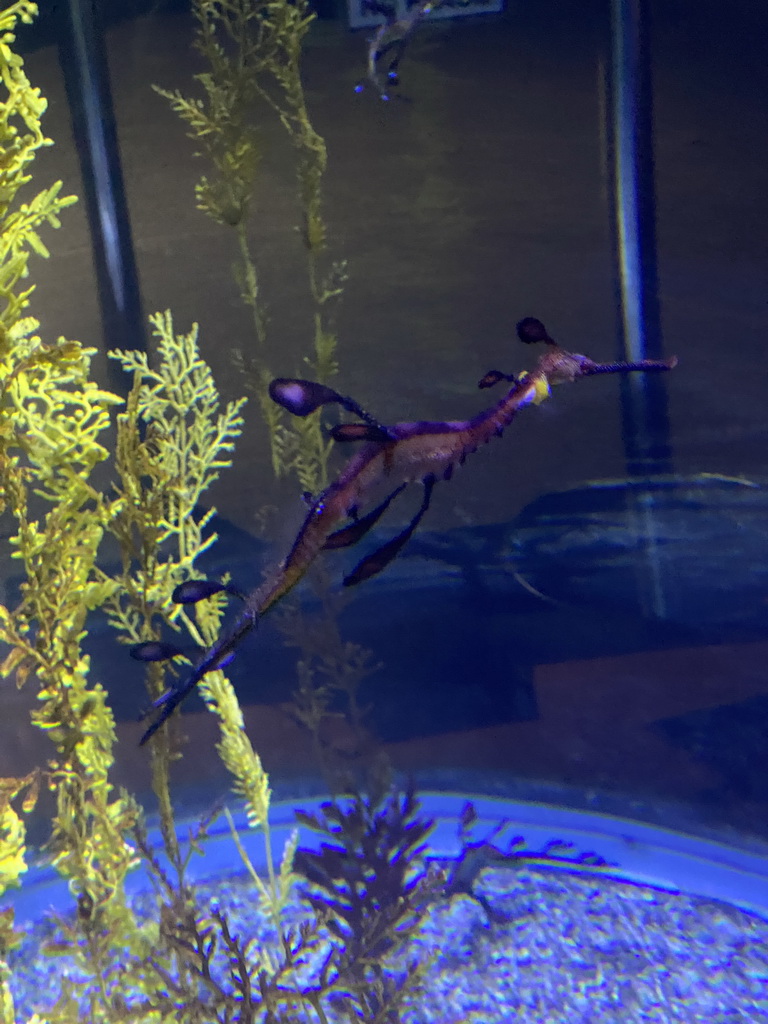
{"x":368,"y":893}
{"x":252,"y":50}
{"x":172,"y":442}
{"x":51,"y":419}
{"x":370,"y":888}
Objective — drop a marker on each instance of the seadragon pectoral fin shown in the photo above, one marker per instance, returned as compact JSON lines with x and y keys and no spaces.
{"x":374,"y":563}
{"x":494,"y":376}
{"x":349,"y":535}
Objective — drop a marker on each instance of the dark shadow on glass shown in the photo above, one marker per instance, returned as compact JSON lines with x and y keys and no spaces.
{"x":82,"y":55}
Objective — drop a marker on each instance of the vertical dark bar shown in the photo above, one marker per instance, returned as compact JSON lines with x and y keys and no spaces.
{"x":630,"y":161}
{"x":631,"y":146}
{"x":82,"y":55}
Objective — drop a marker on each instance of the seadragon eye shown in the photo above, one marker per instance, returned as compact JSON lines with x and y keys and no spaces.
{"x":494,"y":376}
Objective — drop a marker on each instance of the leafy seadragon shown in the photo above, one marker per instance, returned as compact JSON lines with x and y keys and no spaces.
{"x":391,"y":457}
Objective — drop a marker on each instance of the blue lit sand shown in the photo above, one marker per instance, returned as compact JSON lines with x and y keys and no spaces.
{"x":570,"y":948}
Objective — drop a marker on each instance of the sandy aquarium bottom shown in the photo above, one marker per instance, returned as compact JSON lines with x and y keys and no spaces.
{"x":673,"y":929}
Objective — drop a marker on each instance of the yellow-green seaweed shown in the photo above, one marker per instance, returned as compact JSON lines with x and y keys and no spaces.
{"x":52,"y":417}
{"x":261,"y":64}
{"x":173,"y":438}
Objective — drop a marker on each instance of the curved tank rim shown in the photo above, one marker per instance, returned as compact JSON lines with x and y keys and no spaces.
{"x":642,"y":854}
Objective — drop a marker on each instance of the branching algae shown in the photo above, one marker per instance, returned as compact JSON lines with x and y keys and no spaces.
{"x":252,"y":51}
{"x":51,"y":417}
